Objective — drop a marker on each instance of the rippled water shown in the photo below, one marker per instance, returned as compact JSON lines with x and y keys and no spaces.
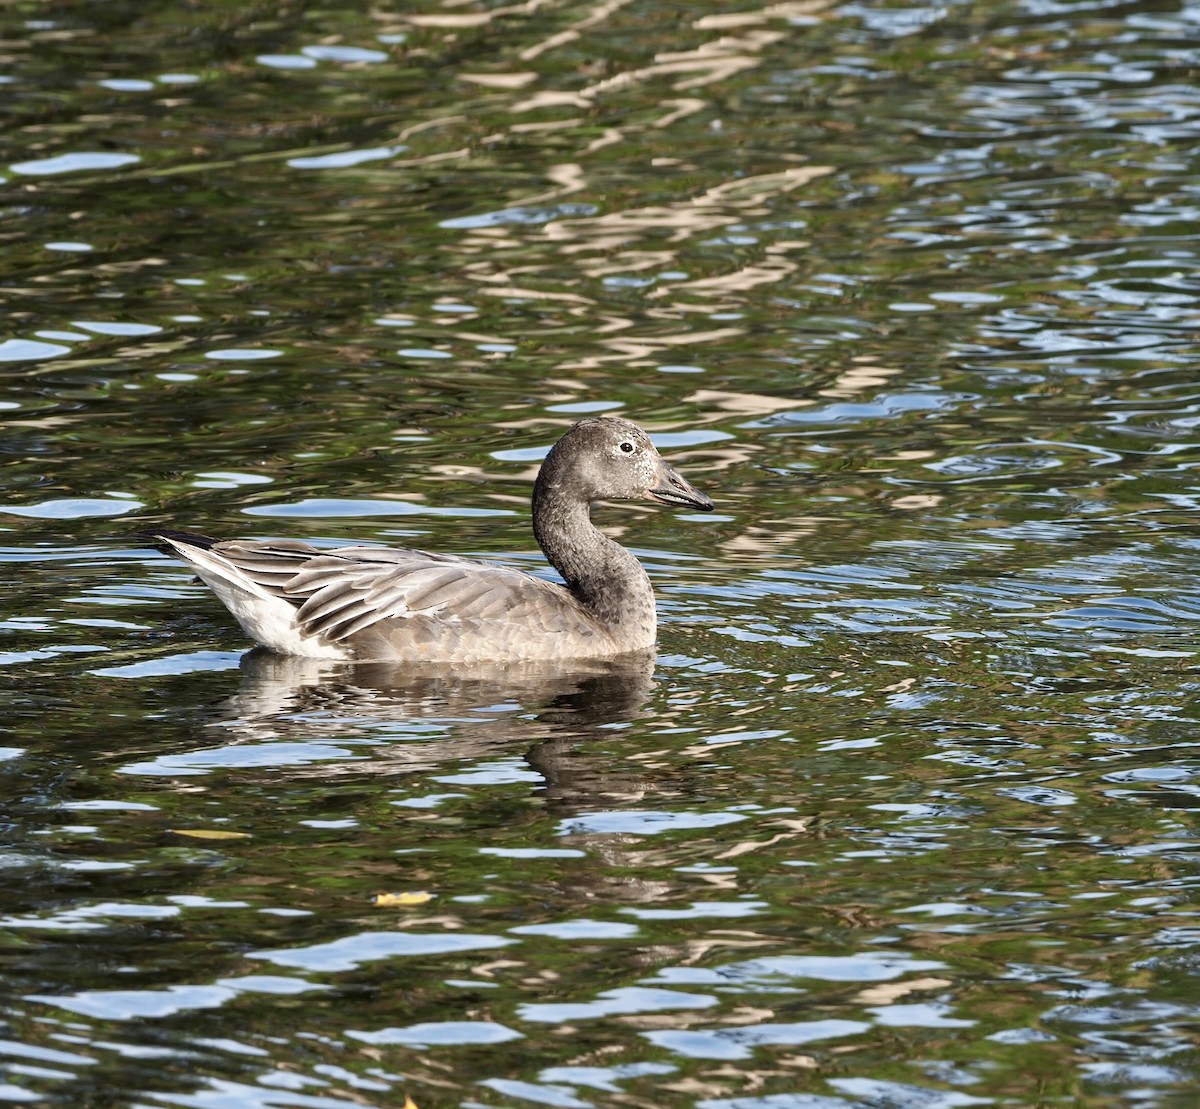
{"x":902,"y":813}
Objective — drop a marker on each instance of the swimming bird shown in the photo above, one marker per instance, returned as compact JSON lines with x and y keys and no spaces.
{"x":396,"y":604}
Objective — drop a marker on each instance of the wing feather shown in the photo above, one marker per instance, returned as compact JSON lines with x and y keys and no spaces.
{"x":346,"y":590}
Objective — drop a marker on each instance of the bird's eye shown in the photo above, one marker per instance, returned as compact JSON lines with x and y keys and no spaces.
{"x":627,"y":447}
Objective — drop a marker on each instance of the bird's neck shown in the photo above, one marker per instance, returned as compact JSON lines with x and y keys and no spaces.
{"x":609,"y":581}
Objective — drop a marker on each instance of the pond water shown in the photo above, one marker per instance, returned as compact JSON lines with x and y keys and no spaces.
{"x":903,"y":813}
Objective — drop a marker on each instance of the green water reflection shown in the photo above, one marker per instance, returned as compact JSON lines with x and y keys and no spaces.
{"x":902,"y":813}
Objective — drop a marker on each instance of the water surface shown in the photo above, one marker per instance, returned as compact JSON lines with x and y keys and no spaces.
{"x":901,"y":815}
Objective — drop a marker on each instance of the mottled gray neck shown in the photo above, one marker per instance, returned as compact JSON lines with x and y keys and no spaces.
{"x":606,"y":578}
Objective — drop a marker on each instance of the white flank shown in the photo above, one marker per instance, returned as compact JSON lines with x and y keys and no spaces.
{"x":265,"y":618}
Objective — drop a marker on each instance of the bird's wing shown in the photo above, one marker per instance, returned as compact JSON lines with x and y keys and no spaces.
{"x":345,"y":590}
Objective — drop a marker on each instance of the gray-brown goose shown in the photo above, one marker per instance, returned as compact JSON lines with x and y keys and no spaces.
{"x":381,"y":603}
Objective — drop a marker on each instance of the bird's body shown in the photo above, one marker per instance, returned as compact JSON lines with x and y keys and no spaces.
{"x":379,"y":603}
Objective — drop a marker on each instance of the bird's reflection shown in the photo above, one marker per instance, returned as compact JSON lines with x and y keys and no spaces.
{"x":442,"y":714}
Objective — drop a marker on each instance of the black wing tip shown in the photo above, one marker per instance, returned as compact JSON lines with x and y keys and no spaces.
{"x":162,"y":538}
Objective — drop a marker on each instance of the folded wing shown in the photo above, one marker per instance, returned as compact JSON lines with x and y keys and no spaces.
{"x":342,"y":592}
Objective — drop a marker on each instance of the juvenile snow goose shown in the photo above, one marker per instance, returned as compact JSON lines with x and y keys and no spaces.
{"x":381,"y":603}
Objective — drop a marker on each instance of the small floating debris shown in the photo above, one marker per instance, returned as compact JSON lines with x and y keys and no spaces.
{"x":401,"y":900}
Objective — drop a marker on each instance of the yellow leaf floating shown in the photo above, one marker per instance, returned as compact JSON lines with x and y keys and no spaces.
{"x":207,"y":833}
{"x":400,"y":900}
